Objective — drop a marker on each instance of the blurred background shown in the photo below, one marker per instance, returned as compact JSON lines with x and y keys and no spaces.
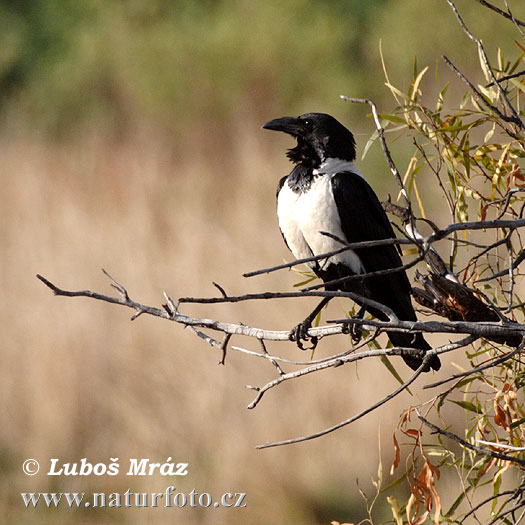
{"x":130,"y":140}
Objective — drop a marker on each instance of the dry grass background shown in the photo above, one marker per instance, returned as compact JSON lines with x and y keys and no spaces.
{"x":78,"y":379}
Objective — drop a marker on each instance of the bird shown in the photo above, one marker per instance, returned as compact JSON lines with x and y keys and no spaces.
{"x":324,"y":199}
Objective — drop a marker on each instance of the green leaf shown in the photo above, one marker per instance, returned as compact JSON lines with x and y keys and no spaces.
{"x":441,"y":98}
{"x":464,"y":100}
{"x":395,"y":483}
{"x":518,"y":84}
{"x":306,"y":281}
{"x":371,"y":140}
{"x":390,"y":367}
{"x":515,"y":424}
{"x":497,"y":485}
{"x":467,"y":405}
{"x":456,"y":504}
{"x":396,"y":92}
{"x":392,"y":118}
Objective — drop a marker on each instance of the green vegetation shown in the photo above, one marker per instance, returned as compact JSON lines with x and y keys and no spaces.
{"x":65,"y":63}
{"x":99,"y":103}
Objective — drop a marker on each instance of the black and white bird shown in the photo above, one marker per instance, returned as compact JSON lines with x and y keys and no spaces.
{"x":325,"y":192}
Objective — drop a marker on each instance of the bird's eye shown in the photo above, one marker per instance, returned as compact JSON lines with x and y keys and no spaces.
{"x":308,"y":123}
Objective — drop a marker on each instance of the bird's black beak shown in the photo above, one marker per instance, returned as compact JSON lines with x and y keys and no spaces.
{"x":291,"y":125}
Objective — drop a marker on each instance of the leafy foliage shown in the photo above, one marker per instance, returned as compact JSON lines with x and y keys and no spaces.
{"x":471,"y":151}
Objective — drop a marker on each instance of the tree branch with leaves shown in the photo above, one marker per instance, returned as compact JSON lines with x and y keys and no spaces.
{"x":469,"y":157}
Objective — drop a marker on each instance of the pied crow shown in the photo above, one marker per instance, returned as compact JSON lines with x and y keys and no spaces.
{"x":325,"y":192}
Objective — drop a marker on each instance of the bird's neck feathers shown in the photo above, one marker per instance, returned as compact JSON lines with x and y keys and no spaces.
{"x":315,"y":153}
{"x":324,"y":156}
{"x":333,"y":165}
{"x":304,"y":154}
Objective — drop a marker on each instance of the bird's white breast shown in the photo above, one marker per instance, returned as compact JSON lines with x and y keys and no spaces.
{"x":302,"y":218}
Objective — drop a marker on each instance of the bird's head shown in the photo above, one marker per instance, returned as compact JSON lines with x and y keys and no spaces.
{"x":319,"y":137}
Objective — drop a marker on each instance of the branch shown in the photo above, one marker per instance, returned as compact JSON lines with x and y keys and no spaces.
{"x":173,"y":315}
{"x":485,"y":329}
{"x":515,"y":117}
{"x":393,"y":394}
{"x":514,"y":493}
{"x":351,"y":357}
{"x":478,"y":329}
{"x":490,"y":364}
{"x":511,"y":224}
{"x":360,"y":276}
{"x":386,"y":151}
{"x":360,"y":299}
{"x":479,"y":96}
{"x":346,"y":246}
{"x":507,"y":77}
{"x":502,"y":13}
{"x":468,"y":445}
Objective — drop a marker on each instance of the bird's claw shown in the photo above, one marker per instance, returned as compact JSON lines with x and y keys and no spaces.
{"x":354,"y":330}
{"x":299,"y":333}
{"x":356,"y":333}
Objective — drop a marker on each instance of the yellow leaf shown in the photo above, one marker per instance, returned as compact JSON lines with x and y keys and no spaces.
{"x":396,"y":511}
{"x":415,"y":88}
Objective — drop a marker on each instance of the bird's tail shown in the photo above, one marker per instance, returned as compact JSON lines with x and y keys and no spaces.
{"x":414,"y":341}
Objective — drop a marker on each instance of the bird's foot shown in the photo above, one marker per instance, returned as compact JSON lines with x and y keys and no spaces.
{"x":299,"y":333}
{"x":356,"y":330}
{"x":356,"y":333}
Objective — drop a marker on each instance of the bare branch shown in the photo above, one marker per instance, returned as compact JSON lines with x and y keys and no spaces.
{"x":501,"y":12}
{"x":224,"y":348}
{"x":501,"y":445}
{"x":346,"y":247}
{"x":480,"y":97}
{"x":490,"y":364}
{"x":272,"y":360}
{"x":360,"y":276}
{"x":514,"y":493}
{"x":479,"y":329}
{"x":515,"y":117}
{"x":507,"y":77}
{"x":386,"y":151}
{"x":286,"y":295}
{"x":468,"y":445}
{"x":342,"y":424}
{"x":511,"y":224}
{"x":337,"y":361}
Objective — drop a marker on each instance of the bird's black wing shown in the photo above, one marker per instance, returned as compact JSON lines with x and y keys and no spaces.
{"x":280,"y":185}
{"x":363,"y":219}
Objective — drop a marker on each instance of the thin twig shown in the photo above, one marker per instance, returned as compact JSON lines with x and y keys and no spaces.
{"x":515,"y":117}
{"x":468,"y":445}
{"x":272,"y":360}
{"x":313,"y":258}
{"x":479,"y":96}
{"x":386,"y":151}
{"x":490,"y":364}
{"x":371,"y":408}
{"x":501,"y":445}
{"x":361,"y":276}
{"x":287,"y":295}
{"x":501,"y":12}
{"x":491,"y":498}
{"x":224,"y":348}
{"x":337,"y":361}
